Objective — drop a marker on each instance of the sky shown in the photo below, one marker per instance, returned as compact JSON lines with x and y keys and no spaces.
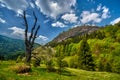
{"x":55,"y":16}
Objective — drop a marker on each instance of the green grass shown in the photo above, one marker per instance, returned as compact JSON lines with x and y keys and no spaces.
{"x":40,"y":73}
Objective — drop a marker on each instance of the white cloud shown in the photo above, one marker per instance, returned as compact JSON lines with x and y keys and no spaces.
{"x":99,"y":7}
{"x":58,"y":24}
{"x":46,"y":21}
{"x":54,"y":8}
{"x":2,"y":20}
{"x":95,"y":17}
{"x":2,"y":5}
{"x":44,"y":38}
{"x":115,"y":21}
{"x":88,"y":17}
{"x":32,"y":5}
{"x":17,"y":32}
{"x":72,"y":18}
{"x":105,"y":12}
{"x":16,"y":5}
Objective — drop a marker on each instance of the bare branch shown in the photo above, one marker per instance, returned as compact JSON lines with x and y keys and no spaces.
{"x":35,"y":35}
{"x":33,"y":27}
{"x":26,"y":29}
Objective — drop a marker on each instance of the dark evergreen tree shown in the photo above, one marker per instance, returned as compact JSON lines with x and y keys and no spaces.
{"x":85,"y":60}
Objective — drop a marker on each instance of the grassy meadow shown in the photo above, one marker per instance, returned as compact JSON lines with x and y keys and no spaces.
{"x":40,"y":73}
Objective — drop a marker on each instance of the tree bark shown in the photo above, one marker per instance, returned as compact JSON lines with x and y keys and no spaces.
{"x":28,"y":57}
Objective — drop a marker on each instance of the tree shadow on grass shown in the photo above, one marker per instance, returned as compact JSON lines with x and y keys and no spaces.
{"x":62,"y":72}
{"x":67,"y":73}
{"x":41,"y":69}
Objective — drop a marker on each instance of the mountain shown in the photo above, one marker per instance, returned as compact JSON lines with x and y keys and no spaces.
{"x":80,"y":30}
{"x":76,"y":31}
{"x":10,"y":46}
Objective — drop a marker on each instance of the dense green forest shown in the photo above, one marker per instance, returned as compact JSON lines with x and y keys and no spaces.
{"x":9,"y":45}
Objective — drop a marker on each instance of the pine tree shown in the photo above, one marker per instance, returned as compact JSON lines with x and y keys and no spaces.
{"x":85,"y":60}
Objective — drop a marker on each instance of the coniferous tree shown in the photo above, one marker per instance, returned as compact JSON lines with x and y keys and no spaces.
{"x":85,"y":60}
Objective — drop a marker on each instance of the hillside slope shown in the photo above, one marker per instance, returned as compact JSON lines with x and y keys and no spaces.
{"x":10,"y":45}
{"x":80,"y":30}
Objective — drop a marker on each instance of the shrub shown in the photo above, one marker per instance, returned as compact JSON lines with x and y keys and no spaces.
{"x":50,"y":67}
{"x":64,"y":63}
{"x":21,"y":69}
{"x":73,"y":62}
{"x":116,"y":66}
{"x":36,"y":62}
{"x":61,"y":65}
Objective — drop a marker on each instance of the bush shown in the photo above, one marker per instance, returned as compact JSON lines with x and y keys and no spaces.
{"x":64,"y":63}
{"x":73,"y":62}
{"x":50,"y":67}
{"x":116,"y":66}
{"x":36,"y":62}
{"x":61,"y":65}
{"x":21,"y":69}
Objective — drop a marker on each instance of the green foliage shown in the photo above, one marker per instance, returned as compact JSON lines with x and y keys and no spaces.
{"x":85,"y":60}
{"x":42,"y":54}
{"x":73,"y":62}
{"x":116,"y":65}
{"x":64,"y":63}
{"x":36,"y":62}
{"x":2,"y":77}
{"x":9,"y":45}
{"x":15,"y":55}
{"x":50,"y":65}
{"x":98,"y":54}
{"x":104,"y":64}
{"x":19,"y":59}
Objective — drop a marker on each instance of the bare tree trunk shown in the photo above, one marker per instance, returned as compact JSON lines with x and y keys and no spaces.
{"x":28,"y":56}
{"x":29,"y":39}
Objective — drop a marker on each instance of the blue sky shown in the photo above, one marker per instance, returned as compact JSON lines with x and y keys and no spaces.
{"x":55,"y":16}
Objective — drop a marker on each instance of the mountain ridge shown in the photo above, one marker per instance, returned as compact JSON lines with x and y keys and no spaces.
{"x":10,"y":45}
{"x":79,"y":30}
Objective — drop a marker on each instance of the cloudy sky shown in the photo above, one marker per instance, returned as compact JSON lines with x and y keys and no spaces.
{"x":55,"y":16}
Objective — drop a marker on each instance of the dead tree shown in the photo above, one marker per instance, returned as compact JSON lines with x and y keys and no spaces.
{"x":30,"y":37}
